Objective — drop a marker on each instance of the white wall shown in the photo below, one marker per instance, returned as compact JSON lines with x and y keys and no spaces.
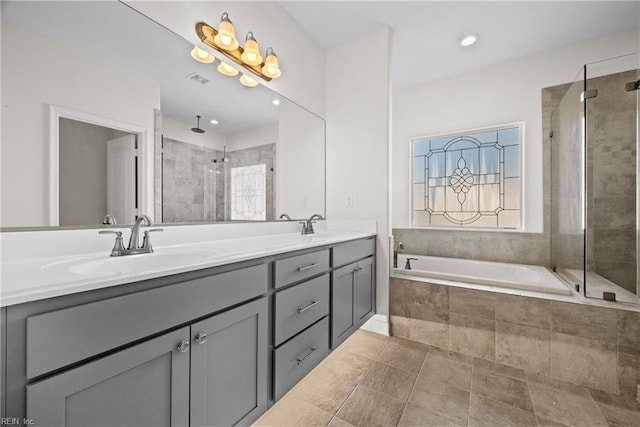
{"x":503,"y":93}
{"x":300,"y":163}
{"x":181,"y":131}
{"x":358,"y":140}
{"x":261,"y":135}
{"x":300,"y":58}
{"x":56,"y":75}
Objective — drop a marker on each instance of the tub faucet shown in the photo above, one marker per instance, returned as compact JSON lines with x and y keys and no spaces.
{"x":307,"y":226}
{"x":285,"y":216}
{"x":396,"y":248}
{"x":407,"y":266}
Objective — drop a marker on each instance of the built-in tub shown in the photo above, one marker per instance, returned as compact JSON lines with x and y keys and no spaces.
{"x":512,"y":276}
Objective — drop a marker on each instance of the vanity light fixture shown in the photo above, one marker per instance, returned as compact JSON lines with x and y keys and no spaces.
{"x":202,"y":55}
{"x":271,"y":68}
{"x":469,"y":39}
{"x":251,"y":54}
{"x":225,"y":38}
{"x":248,"y":81}
{"x":224,"y":41}
{"x":227,"y":69}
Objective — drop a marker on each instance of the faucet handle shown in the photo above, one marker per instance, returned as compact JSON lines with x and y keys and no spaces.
{"x":146,"y":242}
{"x":118,"y":247}
{"x":304,"y":226}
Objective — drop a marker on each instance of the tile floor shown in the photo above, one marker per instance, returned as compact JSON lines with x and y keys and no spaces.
{"x":373,"y":380}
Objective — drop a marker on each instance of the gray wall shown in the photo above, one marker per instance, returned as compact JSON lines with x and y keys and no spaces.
{"x":83,"y":172}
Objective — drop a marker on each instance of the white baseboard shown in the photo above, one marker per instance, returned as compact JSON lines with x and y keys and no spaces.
{"x":379,"y":323}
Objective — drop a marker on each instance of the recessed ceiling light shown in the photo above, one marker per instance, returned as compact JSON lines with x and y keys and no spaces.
{"x":213,"y":121}
{"x":276,"y":102}
{"x":468,"y":40}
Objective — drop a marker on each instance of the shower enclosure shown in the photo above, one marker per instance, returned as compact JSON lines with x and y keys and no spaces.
{"x":594,"y":180}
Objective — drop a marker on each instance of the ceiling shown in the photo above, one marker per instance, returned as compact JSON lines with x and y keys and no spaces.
{"x":426,"y":34}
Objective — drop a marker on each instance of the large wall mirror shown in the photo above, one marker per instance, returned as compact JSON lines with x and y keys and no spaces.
{"x":100,"y":105}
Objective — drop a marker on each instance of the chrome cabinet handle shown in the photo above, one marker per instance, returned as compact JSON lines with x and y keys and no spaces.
{"x":357,"y":268}
{"x":201,"y":338}
{"x":315,"y":264}
{"x":183,"y":346}
{"x":303,"y":309}
{"x":301,"y":359}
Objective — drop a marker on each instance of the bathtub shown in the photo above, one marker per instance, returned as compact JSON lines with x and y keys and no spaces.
{"x":513,"y":276}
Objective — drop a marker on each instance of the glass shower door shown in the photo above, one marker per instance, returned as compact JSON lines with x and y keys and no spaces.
{"x":611,"y":191}
{"x":568,"y":184}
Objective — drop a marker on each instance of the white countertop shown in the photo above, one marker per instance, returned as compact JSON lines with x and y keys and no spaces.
{"x":28,"y":279}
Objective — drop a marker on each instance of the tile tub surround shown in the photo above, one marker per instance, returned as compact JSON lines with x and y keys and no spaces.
{"x":583,"y":344}
{"x":372,"y":380}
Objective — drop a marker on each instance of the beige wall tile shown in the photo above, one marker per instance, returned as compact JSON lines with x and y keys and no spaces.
{"x":524,"y":347}
{"x":425,"y":348}
{"x":400,"y":296}
{"x":628,"y":373}
{"x":428,"y":332}
{"x":523,"y":311}
{"x":472,"y":303}
{"x":472,"y":335}
{"x":584,"y":321}
{"x":399,"y":326}
{"x":629,"y":331}
{"x":429,"y":302}
{"x":584,"y":361}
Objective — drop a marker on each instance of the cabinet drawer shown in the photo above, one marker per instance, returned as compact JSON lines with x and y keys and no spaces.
{"x":290,"y":270}
{"x":300,"y":306}
{"x":299,"y":356}
{"x":67,"y":336}
{"x":353,"y":251}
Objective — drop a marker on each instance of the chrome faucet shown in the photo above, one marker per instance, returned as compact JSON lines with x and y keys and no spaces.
{"x":133,"y":248}
{"x":307,"y":226}
{"x":285,"y":216}
{"x":396,"y":248}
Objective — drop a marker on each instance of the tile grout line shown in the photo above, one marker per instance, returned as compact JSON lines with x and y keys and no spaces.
{"x":414,"y":385}
{"x":359,"y":381}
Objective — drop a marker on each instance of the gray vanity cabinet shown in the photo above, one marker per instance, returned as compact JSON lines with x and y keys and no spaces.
{"x":229,"y":367}
{"x":144,"y":385}
{"x":343,"y":298}
{"x":364,"y":290}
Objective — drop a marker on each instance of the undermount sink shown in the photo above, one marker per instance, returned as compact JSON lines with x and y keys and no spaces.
{"x":140,"y":263}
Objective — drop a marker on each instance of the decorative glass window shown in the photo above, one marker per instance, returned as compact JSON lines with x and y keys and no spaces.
{"x":248,"y":191}
{"x":468,"y":179}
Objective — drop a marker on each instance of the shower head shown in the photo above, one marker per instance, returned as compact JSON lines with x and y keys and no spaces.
{"x":197,"y":128}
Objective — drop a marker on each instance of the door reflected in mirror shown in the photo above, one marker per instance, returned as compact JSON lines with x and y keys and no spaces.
{"x":104,"y":60}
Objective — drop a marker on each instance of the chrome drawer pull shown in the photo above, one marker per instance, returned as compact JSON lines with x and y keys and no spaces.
{"x":300,"y":310}
{"x":308,"y":267}
{"x":301,"y":359}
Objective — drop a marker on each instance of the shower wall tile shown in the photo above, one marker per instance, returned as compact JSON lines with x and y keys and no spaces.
{"x":523,"y":311}
{"x":595,"y":323}
{"x":523,"y":347}
{"x":584,"y":361}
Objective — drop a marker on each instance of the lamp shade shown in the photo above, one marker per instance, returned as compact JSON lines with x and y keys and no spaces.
{"x":271,"y":67}
{"x":248,"y":81}
{"x":202,"y":55}
{"x":227,"y":69}
{"x":226,"y":37}
{"x":251,"y":54}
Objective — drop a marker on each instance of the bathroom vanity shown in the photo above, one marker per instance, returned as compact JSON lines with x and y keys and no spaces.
{"x":211,"y":346}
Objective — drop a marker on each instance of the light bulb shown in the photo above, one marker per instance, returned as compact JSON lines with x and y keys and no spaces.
{"x":227,"y":69}
{"x":248,"y":81}
{"x":202,"y":55}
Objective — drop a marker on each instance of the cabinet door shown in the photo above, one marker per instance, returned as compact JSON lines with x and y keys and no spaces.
{"x":365,"y":291}
{"x":144,"y":385}
{"x":343,"y":321}
{"x":229,"y":366}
